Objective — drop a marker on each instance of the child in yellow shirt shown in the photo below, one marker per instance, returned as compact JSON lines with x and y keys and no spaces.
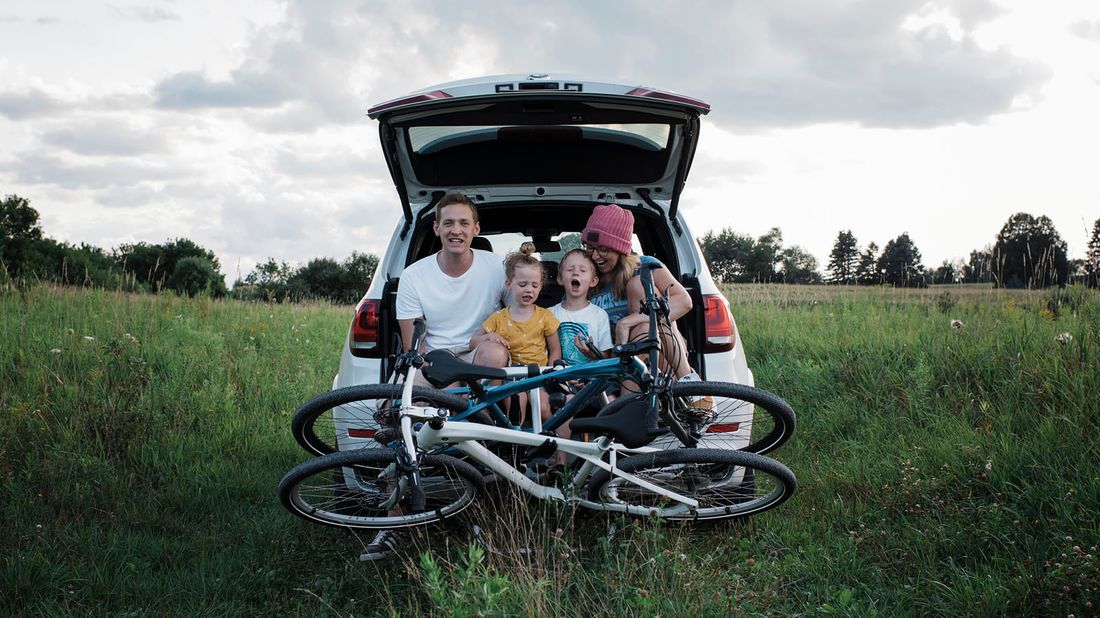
{"x":528,"y":331}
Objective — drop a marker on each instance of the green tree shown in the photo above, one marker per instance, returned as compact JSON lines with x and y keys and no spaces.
{"x":798,"y":266}
{"x":727,"y":254}
{"x":867,"y":273}
{"x":1029,"y":253}
{"x":979,"y":267}
{"x":320,"y":278}
{"x":945,"y":273}
{"x":19,"y":231}
{"x":154,"y":264}
{"x":361,"y":267}
{"x":900,"y":263}
{"x":193,"y":275}
{"x":844,"y":259}
{"x":1092,"y":257}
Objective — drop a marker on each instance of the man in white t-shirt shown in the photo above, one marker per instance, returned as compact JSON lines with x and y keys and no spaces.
{"x":455,"y":289}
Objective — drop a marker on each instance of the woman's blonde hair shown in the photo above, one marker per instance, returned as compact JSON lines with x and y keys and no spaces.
{"x":622,"y":273}
{"x":522,"y":257}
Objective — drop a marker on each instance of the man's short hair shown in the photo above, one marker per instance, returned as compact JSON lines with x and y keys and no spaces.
{"x":454,"y":198}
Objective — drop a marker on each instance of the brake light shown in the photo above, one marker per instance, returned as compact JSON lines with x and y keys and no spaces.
{"x":651,"y":93}
{"x":365,"y":330}
{"x":720,"y":329}
{"x":416,"y":98}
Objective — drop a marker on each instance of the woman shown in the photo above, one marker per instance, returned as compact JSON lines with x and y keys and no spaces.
{"x":607,"y":237}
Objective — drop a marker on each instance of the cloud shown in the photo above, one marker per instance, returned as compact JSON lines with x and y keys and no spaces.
{"x":1086,"y":29}
{"x":30,"y":104}
{"x":761,"y":65}
{"x":193,"y":90}
{"x":106,"y":136}
{"x":37,"y":168}
{"x":145,"y":13}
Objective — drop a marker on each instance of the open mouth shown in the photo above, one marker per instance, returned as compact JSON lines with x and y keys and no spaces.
{"x":575,"y":285}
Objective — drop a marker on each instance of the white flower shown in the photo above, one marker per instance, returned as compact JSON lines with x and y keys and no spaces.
{"x":129,"y":337}
{"x":988,"y":465}
{"x":55,"y":351}
{"x":89,"y":338}
{"x":1063,"y":338}
{"x":957,"y":324}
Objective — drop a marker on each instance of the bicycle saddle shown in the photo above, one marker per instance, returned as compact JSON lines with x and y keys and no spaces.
{"x":445,"y":369}
{"x":628,"y":425}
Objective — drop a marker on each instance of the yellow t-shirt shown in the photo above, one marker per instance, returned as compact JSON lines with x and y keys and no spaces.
{"x":526,"y":340}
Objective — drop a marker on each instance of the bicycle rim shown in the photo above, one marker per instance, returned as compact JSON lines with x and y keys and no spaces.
{"x":727,"y":416}
{"x":360,"y":489}
{"x":727,"y":484}
{"x":357,"y":416}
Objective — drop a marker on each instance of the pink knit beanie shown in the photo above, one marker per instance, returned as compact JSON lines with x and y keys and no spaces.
{"x":609,"y":226}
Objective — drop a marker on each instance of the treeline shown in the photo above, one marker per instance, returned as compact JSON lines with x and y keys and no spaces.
{"x":1028,"y":252}
{"x":738,"y":258}
{"x":180,"y":265}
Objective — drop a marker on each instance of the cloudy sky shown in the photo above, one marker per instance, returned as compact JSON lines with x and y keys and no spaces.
{"x":241,"y":125}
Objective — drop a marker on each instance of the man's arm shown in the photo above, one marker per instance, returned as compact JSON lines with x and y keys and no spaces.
{"x":406,"y":327}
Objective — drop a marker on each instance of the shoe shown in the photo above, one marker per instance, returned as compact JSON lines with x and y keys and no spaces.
{"x":383,"y":546}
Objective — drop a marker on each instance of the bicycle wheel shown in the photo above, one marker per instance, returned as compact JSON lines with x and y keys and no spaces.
{"x":349,"y":418}
{"x":725,"y":416}
{"x":726,"y":483}
{"x":356,"y":489}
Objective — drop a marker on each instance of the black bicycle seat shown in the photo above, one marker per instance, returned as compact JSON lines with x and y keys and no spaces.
{"x":628,"y":425}
{"x":444,"y":368}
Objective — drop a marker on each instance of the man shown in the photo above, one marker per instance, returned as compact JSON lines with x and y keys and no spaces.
{"x":457,"y":276}
{"x":454,"y":290}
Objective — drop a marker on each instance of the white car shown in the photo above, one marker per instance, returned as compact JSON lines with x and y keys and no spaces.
{"x":536,"y":153}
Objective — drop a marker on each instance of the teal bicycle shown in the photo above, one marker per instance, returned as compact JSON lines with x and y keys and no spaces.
{"x":697,"y":414}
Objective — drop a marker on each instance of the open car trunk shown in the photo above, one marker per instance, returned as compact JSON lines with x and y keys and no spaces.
{"x":544,"y":220}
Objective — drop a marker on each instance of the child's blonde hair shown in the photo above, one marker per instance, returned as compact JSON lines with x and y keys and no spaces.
{"x":522,"y":257}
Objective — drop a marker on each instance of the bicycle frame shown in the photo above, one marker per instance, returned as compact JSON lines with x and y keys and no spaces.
{"x":466,"y":438}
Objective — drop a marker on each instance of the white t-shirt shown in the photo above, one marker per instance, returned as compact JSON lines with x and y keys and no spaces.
{"x":452,"y":307}
{"x":588,"y":322}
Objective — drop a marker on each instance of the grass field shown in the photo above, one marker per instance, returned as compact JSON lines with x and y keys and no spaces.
{"x":943,"y":470}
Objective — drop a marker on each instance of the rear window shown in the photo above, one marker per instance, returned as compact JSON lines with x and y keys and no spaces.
{"x":651,"y":137}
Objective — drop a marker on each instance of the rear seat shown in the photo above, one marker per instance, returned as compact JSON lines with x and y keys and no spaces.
{"x":551,"y":293}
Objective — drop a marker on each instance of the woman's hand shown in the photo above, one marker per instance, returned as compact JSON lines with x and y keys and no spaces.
{"x":626,"y":323}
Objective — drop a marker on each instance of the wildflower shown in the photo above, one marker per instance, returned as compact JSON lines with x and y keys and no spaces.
{"x":129,"y":337}
{"x":1063,"y":338}
{"x":89,"y":338}
{"x":988,"y":465}
{"x":55,"y":351}
{"x":957,"y":324}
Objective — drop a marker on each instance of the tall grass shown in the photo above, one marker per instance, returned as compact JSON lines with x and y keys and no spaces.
{"x":942,"y":470}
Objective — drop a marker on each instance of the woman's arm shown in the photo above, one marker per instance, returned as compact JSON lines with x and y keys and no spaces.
{"x":679,"y":301}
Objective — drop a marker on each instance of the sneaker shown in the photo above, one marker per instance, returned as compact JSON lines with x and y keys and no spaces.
{"x":383,"y":546}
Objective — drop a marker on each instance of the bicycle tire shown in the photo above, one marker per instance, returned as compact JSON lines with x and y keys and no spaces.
{"x":738,"y":424}
{"x":345,"y":418}
{"x":728,"y":484}
{"x":350,"y":489}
